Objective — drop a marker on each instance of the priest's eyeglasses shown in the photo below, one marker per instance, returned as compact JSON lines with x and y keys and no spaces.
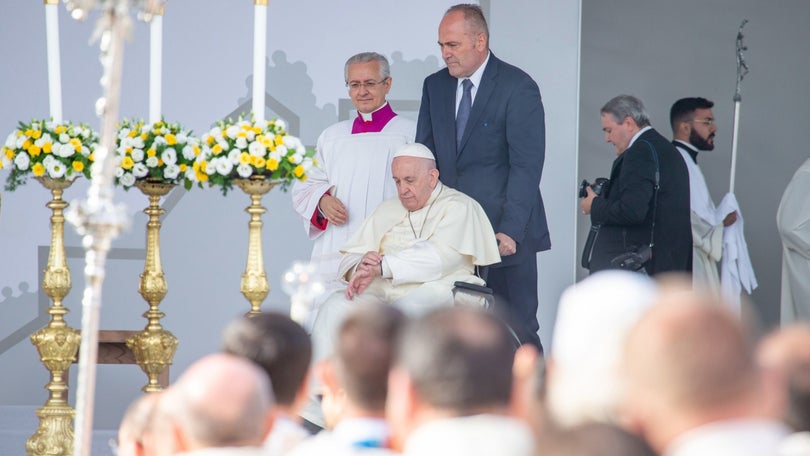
{"x":370,"y":85}
{"x":708,"y":122}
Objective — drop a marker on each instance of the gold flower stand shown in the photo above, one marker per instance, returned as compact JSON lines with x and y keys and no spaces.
{"x":254,"y":284}
{"x":153,"y":347}
{"x":57,"y":343}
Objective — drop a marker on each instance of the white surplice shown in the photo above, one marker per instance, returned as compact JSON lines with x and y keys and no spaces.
{"x":711,"y":242}
{"x":356,"y":168}
{"x":793,"y":222}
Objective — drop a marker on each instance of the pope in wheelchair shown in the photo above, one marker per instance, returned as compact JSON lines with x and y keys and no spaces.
{"x":412,"y":250}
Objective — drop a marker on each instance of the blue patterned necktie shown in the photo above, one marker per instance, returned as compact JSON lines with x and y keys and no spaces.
{"x":463,"y":110}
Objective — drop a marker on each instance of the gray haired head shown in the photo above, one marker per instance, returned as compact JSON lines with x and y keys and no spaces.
{"x":365,"y":57}
{"x":624,"y":106}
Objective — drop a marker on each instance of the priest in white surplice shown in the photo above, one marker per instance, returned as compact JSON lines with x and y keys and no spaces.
{"x":714,"y":229}
{"x":412,"y":249}
{"x":793,"y":222}
{"x":354,"y":175}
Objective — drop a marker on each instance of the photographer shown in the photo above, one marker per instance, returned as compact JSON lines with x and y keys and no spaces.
{"x":646,"y":203}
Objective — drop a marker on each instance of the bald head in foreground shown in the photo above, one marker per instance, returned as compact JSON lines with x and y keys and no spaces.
{"x":693,"y":386}
{"x":220,"y":401}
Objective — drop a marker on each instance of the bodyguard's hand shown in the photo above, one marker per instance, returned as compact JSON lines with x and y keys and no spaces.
{"x":506,"y":245}
{"x":586,"y":202}
{"x":333,"y":209}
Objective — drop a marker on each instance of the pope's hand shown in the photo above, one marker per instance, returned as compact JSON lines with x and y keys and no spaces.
{"x":333,"y":209}
{"x":367,"y":270}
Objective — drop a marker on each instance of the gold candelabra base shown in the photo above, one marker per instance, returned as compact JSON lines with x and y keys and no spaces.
{"x":254,"y":284}
{"x":154,"y":347}
{"x":57,"y":343}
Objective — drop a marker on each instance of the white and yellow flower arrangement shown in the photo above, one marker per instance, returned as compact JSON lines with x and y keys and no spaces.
{"x":47,"y":149}
{"x":161,"y":152}
{"x":252,"y":150}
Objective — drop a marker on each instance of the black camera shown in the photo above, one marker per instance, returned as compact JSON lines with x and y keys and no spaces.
{"x":598,"y":186}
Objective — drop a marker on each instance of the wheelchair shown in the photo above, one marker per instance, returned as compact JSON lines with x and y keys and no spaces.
{"x":470,"y":294}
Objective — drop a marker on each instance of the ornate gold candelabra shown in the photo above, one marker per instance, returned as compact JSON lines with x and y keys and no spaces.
{"x":254,"y":281}
{"x":153,"y":347}
{"x":57,"y":343}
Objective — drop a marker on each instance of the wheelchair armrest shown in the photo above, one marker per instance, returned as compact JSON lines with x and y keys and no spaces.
{"x":473,"y":287}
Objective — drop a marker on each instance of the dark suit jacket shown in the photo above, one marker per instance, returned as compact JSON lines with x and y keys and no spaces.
{"x":625,"y":209}
{"x":500,"y":159}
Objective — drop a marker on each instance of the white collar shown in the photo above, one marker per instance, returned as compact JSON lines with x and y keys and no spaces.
{"x":687,"y":145}
{"x":475,"y":78}
{"x":638,"y":133}
{"x":368,"y":117}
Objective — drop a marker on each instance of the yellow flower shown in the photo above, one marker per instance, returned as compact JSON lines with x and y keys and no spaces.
{"x":29,"y":132}
{"x":183,"y":167}
{"x":256,"y":130}
{"x":158,"y":124}
{"x":60,"y":129}
{"x":199,"y":170}
{"x":27,"y":144}
{"x":272,"y":164}
{"x":171,"y":139}
{"x":133,"y":133}
{"x":78,"y":166}
{"x":144,"y":136}
{"x":258,"y":162}
{"x":209,"y":140}
{"x":291,"y":159}
{"x":127,"y":162}
{"x":128,"y":150}
{"x":36,"y":134}
{"x":303,"y":178}
{"x":76,"y":143}
{"x":160,"y":162}
{"x":244,"y":158}
{"x":9,"y":153}
{"x":38,"y":169}
{"x":299,"y":171}
{"x":196,"y":150}
{"x":47,"y":147}
{"x":34,"y":150}
{"x":241,"y":134}
{"x":279,"y":140}
{"x":92,"y":157}
{"x":151,"y":152}
{"x":217,"y":149}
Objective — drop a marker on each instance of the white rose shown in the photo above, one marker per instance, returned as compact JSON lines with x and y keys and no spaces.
{"x":191,"y":175}
{"x":241,"y":142}
{"x":137,"y":155}
{"x":188,"y":153}
{"x":250,"y":135}
{"x":256,"y":149}
{"x":19,"y":142}
{"x":280,"y":123}
{"x":275,"y":155}
{"x":171,"y":171}
{"x":47,"y":161}
{"x":119,"y":171}
{"x":22,"y":161}
{"x":152,"y":162}
{"x":232,"y":131}
{"x":11,"y":140}
{"x":123,"y":133}
{"x":211,"y":167}
{"x":281,"y":150}
{"x":137,"y":142}
{"x":140,"y":170}
{"x":224,"y":166}
{"x":169,"y":156}
{"x":127,"y":180}
{"x":244,"y":170}
{"x":66,"y":150}
{"x":181,"y":138}
{"x":233,"y":156}
{"x":224,"y":145}
{"x":56,"y":169}
{"x":64,"y":137}
{"x":290,"y":141}
{"x":301,"y":149}
{"x":296,"y":158}
{"x":160,"y":140}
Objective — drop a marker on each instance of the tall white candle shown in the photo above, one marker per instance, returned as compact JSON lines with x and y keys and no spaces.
{"x":259,"y":53}
{"x":155,"y":65}
{"x":54,"y":65}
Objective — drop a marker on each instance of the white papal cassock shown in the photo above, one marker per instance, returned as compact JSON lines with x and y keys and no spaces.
{"x":424,"y":253}
{"x":356,"y":169}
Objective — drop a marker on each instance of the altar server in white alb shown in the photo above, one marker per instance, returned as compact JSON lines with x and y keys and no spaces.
{"x":793,"y":222}
{"x":412,"y":249}
{"x":354,"y":158}
{"x":716,"y":231}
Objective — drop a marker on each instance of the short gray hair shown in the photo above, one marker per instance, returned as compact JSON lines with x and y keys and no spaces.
{"x":473,"y":16}
{"x":365,"y":57}
{"x":624,"y":106}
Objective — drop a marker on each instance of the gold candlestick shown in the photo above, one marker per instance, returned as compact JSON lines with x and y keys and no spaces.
{"x":254,"y":281}
{"x":57,"y":343}
{"x":153,"y":347}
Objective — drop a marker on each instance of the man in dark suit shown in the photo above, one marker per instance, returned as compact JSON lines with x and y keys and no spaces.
{"x":484,"y":121}
{"x":626,"y":209}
